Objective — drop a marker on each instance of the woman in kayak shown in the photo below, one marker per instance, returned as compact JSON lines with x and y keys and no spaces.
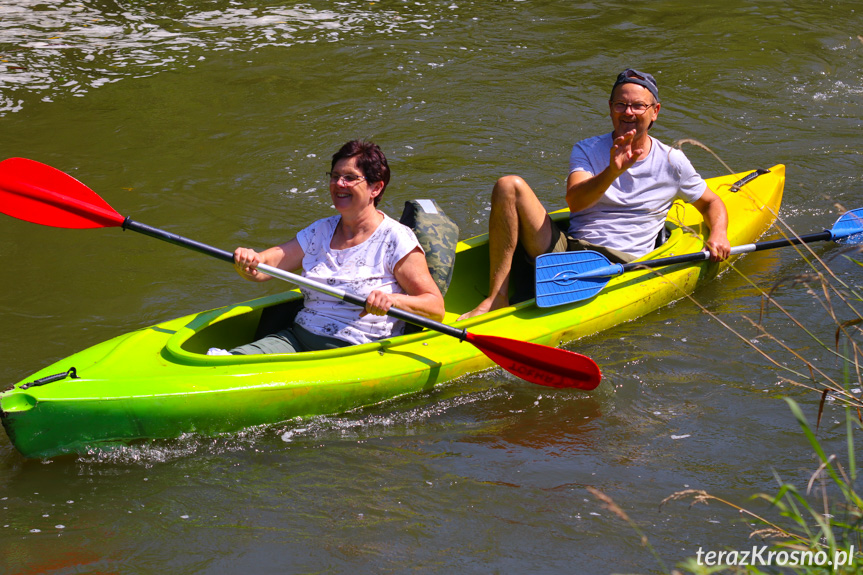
{"x":362,"y":251}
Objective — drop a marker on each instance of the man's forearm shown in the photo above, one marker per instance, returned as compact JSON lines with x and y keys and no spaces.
{"x":583,"y":192}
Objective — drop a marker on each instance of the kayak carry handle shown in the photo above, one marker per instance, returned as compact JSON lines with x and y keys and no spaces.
{"x":72,"y":372}
{"x":735,"y":187}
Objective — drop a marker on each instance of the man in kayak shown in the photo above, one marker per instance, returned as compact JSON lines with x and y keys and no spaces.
{"x":619,"y":190}
{"x":360,"y":250}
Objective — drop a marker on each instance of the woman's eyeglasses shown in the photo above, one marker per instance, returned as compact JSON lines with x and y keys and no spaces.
{"x":348,"y":180}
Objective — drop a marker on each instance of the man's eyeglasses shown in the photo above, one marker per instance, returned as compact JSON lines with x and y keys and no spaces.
{"x":638,"y":108}
{"x":348,"y":180}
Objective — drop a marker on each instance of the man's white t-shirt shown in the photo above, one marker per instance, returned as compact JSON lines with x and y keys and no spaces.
{"x":632,"y":211}
{"x":358,"y":270}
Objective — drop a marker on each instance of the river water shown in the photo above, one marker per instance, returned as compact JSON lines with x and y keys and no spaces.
{"x":216,"y":119}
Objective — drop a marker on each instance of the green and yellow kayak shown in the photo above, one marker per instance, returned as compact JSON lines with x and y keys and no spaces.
{"x":158,"y":382}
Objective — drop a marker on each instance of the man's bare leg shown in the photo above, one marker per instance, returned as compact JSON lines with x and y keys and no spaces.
{"x":516,"y":215}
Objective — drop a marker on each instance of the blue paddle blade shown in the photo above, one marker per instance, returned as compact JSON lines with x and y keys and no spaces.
{"x":563,"y":278}
{"x":848,"y":229}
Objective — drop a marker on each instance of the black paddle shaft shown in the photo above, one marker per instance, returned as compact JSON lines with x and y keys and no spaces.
{"x":756,"y":247}
{"x":177,"y":240}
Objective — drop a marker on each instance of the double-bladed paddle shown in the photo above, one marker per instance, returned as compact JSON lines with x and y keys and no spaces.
{"x":37,"y":193}
{"x":570,"y":277}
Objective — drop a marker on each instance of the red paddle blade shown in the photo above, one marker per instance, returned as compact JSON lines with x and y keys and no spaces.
{"x":40,"y":194}
{"x":540,"y":364}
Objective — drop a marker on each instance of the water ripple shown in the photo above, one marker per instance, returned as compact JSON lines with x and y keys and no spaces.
{"x":51,"y":49}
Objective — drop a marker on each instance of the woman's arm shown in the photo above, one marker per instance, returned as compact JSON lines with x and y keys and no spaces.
{"x":288,"y":257}
{"x":421,"y":296}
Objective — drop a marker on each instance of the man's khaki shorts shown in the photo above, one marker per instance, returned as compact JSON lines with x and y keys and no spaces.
{"x":561,"y":242}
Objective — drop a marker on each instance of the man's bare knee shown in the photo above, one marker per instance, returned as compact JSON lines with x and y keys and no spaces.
{"x":512,"y":189}
{"x":506,"y":189}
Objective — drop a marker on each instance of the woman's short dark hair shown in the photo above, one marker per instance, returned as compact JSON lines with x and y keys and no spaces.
{"x":370,"y":160}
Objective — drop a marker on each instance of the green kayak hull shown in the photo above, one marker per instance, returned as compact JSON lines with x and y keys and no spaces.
{"x":158,"y":382}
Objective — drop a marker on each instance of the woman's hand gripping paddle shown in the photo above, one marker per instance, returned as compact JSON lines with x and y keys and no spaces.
{"x":570,"y":277}
{"x":40,"y":194}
